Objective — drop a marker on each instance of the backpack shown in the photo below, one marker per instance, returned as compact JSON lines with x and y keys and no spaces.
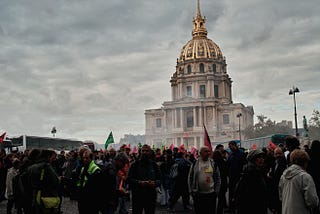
{"x":174,"y":170}
{"x":183,"y":168}
{"x":239,"y":188}
{"x":180,"y":169}
{"x":21,"y":187}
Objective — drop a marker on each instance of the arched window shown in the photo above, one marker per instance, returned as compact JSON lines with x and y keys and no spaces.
{"x":201,"y":68}
{"x":214,"y":68}
{"x":189,"y":69}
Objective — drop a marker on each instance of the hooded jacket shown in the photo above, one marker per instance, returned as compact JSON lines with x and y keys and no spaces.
{"x":297,"y":191}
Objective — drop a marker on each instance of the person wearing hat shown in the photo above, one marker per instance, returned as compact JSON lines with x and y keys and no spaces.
{"x":251,"y":194}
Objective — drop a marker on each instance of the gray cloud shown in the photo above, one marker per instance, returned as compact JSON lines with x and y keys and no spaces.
{"x":89,"y":67}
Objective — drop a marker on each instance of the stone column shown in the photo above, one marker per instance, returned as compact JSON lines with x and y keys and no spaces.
{"x":194,"y":117}
{"x":200,"y":115}
{"x":181,"y":118}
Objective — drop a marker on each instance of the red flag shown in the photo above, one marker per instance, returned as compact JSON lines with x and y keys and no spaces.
{"x":272,"y":146}
{"x":135,"y":150}
{"x":171,"y":147}
{"x":2,"y":137}
{"x":182,"y":148}
{"x":194,"y":151}
{"x":206,"y":139}
{"x":254,"y":147}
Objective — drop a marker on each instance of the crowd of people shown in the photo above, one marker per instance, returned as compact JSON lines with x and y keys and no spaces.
{"x":277,"y":179}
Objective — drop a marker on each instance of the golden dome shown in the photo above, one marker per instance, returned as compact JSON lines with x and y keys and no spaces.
{"x":200,"y":46}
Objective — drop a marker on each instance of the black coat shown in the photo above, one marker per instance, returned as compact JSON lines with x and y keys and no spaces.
{"x":275,"y":175}
{"x":251,"y":193}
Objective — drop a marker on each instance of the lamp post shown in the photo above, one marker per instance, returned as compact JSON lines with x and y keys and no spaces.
{"x":53,"y":131}
{"x":238,"y":116}
{"x":293,"y":92}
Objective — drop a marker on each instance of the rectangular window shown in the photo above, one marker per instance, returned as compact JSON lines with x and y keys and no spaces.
{"x":214,"y":68}
{"x":158,"y":122}
{"x":197,"y":116}
{"x":216,"y":91}
{"x":226,"y":119}
{"x":178,"y":117}
{"x":189,"y":91}
{"x":202,"y":91}
{"x":189,"y":119}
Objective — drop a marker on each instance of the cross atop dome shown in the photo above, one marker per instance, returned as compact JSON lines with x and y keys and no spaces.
{"x":199,"y":24}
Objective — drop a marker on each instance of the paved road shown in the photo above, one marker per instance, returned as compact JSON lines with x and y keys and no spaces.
{"x":70,"y":207}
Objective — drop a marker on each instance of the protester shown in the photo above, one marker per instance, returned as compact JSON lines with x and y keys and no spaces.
{"x":204,"y":183}
{"x":313,"y":167}
{"x":291,"y":143}
{"x":10,"y":185}
{"x":180,"y":182}
{"x":236,"y":161}
{"x":275,"y":173}
{"x":219,"y":159}
{"x":23,"y":190}
{"x":166,"y":182}
{"x":251,"y":194}
{"x":111,"y":185}
{"x":3,"y":174}
{"x":68,"y":169}
{"x":296,"y":187}
{"x":88,"y":184}
{"x":122,"y":162}
{"x":143,"y":178}
{"x":44,"y":181}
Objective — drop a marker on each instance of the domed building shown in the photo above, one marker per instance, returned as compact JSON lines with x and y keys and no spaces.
{"x":201,"y":95}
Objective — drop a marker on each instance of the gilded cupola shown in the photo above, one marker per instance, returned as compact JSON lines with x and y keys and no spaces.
{"x":200,"y":46}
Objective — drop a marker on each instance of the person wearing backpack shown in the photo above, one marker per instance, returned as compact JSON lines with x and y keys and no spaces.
{"x":180,"y":182}
{"x":23,"y":190}
{"x":204,"y":183}
{"x":113,"y":185}
{"x":45,"y":183}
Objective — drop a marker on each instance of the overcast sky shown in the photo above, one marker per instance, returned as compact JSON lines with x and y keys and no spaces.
{"x":91,"y":67}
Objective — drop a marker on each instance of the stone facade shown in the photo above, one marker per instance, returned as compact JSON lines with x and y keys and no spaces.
{"x":201,"y":94}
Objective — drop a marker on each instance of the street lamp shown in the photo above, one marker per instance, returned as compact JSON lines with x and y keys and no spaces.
{"x":238,"y":116}
{"x":53,"y":131}
{"x":293,"y":92}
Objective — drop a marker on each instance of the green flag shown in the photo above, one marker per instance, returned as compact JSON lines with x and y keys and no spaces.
{"x":139,"y":145}
{"x":109,"y":140}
